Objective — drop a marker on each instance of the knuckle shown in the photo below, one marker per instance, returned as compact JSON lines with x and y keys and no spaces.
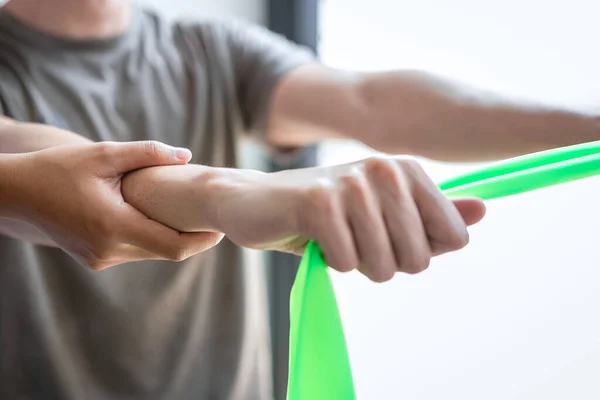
{"x":356,"y":186}
{"x":411,"y":166}
{"x":386,"y":174}
{"x":378,"y":165}
{"x":105,"y":151}
{"x":321,"y":198}
{"x":153,"y":148}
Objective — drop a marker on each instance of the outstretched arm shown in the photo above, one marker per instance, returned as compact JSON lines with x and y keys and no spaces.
{"x":414,"y":112}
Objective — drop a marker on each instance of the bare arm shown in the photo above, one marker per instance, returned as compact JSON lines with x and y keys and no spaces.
{"x":19,"y":137}
{"x":17,"y":229}
{"x":16,"y":137}
{"x":7,"y":183}
{"x":179,"y":197}
{"x":413,"y":112}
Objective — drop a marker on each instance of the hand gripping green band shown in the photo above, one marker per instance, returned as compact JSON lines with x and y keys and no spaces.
{"x":319,"y":366}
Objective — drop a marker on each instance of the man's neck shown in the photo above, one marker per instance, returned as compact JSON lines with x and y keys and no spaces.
{"x":74,"y":19}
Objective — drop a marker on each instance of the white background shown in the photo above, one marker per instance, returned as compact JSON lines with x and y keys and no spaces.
{"x":514,"y":316}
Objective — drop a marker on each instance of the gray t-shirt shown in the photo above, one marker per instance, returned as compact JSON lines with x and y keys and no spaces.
{"x":147,"y":330}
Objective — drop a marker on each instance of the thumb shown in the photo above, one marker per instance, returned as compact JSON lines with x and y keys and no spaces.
{"x":472,"y":210}
{"x":130,"y":156}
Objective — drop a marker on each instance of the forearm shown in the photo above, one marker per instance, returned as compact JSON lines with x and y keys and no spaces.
{"x":411,"y":112}
{"x":420,"y":114}
{"x":9,"y":186}
{"x":17,"y":137}
{"x":176,"y":196}
{"x":21,"y":137}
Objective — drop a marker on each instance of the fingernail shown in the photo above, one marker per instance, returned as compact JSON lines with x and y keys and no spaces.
{"x":183,"y":154}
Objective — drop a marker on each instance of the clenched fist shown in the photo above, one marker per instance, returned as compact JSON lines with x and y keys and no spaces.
{"x":381,"y":215}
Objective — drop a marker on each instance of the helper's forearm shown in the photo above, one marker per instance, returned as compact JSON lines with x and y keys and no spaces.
{"x":9,"y":184}
{"x":176,"y":196}
{"x":17,"y":137}
{"x":424,"y":115}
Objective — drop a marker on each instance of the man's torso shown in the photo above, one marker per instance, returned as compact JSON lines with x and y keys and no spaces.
{"x":147,"y":330}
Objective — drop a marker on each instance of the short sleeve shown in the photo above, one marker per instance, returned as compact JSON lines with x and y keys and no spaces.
{"x":260,"y":59}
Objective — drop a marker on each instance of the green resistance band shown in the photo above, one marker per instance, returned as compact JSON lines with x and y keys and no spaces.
{"x":319,"y":366}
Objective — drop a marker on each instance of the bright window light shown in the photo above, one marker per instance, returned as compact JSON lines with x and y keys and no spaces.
{"x":515,"y":315}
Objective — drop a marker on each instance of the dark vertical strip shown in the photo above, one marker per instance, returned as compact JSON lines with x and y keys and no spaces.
{"x":298,"y":21}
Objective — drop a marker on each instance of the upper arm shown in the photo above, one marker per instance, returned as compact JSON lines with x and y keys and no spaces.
{"x":283,"y":92}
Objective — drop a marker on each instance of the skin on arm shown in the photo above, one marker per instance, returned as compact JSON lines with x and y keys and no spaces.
{"x":417,"y":113}
{"x":7,"y":183}
{"x":16,"y":137}
{"x":20,"y":137}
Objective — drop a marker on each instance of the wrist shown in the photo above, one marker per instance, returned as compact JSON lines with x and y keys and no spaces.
{"x":187,"y":198}
{"x":220,"y":185}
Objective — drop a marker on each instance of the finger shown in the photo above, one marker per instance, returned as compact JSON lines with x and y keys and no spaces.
{"x":324,"y":220}
{"x":471,"y":210}
{"x":444,"y":225}
{"x":163,"y":241}
{"x":120,"y":158}
{"x":370,"y":233}
{"x":405,"y":227}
